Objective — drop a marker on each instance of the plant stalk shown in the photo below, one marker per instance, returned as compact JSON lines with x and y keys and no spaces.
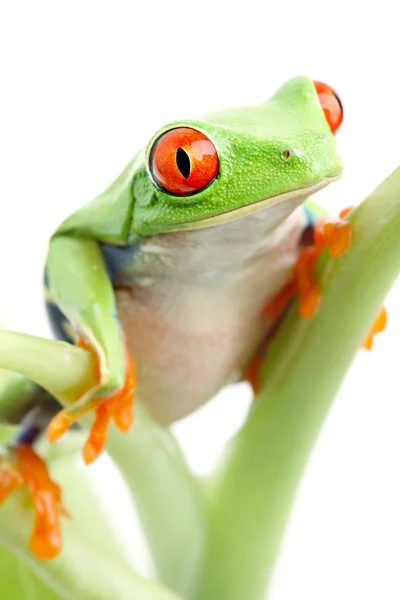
{"x":254,"y":490}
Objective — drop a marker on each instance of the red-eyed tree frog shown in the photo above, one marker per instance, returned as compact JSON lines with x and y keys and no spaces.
{"x":175,"y":276}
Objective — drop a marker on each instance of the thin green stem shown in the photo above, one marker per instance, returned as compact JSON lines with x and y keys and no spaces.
{"x":254,"y":490}
{"x":64,"y":370}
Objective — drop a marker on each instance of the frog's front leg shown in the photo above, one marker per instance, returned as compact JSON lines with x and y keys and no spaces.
{"x":334,"y":234}
{"x":78,"y":284}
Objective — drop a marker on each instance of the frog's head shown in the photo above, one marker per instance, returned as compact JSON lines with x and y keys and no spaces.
{"x":238,"y":161}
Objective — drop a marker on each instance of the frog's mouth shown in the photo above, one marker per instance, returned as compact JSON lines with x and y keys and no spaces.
{"x":279,"y":207}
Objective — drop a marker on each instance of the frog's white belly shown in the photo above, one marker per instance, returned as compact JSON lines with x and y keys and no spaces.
{"x":193,"y":316}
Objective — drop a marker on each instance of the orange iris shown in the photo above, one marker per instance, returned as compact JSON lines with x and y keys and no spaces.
{"x":183,"y":161}
{"x":330,"y":104}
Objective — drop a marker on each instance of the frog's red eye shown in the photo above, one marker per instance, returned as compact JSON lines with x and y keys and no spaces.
{"x":183,"y":161}
{"x":330,"y":104}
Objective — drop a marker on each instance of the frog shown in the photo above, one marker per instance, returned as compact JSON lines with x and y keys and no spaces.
{"x":176,"y":276}
{"x":206,"y":213}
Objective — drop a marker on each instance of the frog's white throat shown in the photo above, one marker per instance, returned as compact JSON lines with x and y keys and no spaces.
{"x":194,"y":313}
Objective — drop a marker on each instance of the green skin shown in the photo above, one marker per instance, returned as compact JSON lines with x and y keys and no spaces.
{"x":256,"y":184}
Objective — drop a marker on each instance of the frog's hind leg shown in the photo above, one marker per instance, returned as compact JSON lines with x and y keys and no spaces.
{"x":22,"y":400}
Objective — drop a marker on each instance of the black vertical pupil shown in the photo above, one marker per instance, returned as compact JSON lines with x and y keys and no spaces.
{"x":183,"y":162}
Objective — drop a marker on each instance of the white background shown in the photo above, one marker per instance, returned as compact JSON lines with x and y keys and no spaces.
{"x":85,"y":84}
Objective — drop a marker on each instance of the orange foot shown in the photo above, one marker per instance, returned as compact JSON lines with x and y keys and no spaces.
{"x":333,"y":234}
{"x":118,"y":406}
{"x":27,"y":468}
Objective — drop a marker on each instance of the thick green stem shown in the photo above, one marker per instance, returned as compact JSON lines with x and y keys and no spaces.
{"x":16,"y":393}
{"x":92,"y":565}
{"x":19,"y":581}
{"x":254,"y":490}
{"x":167,"y":496}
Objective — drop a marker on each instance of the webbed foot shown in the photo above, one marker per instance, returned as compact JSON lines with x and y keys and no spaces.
{"x":118,"y":407}
{"x":335,"y":234}
{"x":24,"y":467}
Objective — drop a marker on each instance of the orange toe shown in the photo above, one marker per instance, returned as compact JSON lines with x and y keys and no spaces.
{"x":309,"y":291}
{"x":335,"y":234}
{"x":10,"y":479}
{"x":345,"y":212}
{"x":117,"y":407}
{"x":63,"y":421}
{"x":97,"y":438}
{"x":378,"y":326}
{"x":339,"y":239}
{"x":276,"y":307}
{"x":309,"y":301}
{"x":27,"y":468}
{"x":58,"y":426}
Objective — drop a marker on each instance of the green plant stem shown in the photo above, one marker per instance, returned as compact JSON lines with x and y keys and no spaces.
{"x":64,"y":370}
{"x":18,"y":581}
{"x":254,"y":489}
{"x":168,"y":497}
{"x":92,"y":565}
{"x":16,"y":394}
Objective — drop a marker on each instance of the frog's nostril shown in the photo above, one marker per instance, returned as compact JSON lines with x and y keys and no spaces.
{"x":285,"y":154}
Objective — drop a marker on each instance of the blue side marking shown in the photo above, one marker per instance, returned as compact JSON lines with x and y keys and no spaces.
{"x":310,"y":215}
